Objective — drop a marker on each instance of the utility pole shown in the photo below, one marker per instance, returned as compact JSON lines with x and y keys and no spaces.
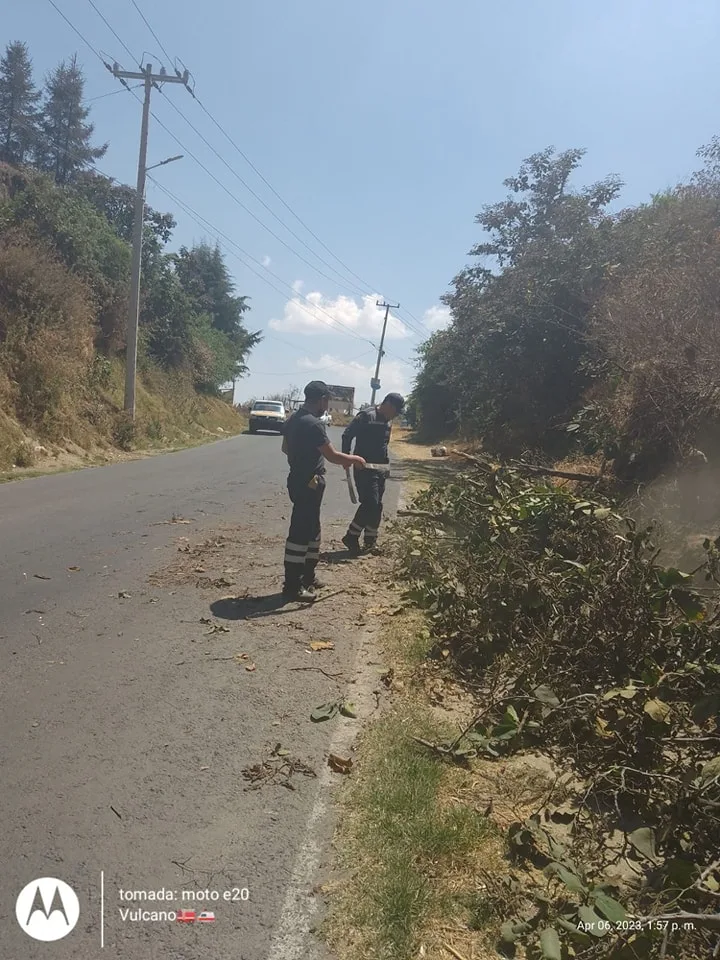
{"x":375,"y":382}
{"x":149,"y":79}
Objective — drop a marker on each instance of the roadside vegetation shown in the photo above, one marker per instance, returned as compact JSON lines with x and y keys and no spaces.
{"x":65,"y":235}
{"x":565,"y":573}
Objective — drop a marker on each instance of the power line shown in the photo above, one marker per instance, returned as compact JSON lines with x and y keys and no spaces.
{"x":267,"y":334}
{"x":230,"y":139}
{"x":207,"y":225}
{"x":335,"y":322}
{"x":234,"y":172}
{"x":155,"y":36}
{"x":360,"y":290}
{"x":112,"y":30}
{"x":364,"y":283}
{"x":75,"y":29}
{"x":113,"y":93}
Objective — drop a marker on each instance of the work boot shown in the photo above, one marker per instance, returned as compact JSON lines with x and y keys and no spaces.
{"x":298,"y":593}
{"x":372,"y":547}
{"x":352,"y":544}
{"x":309,"y":580}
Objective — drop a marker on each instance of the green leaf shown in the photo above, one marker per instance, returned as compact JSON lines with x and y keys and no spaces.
{"x":658,"y":710}
{"x":710,"y":770}
{"x":643,"y":839}
{"x":325,"y":712}
{"x":571,"y":880}
{"x":612,"y":910}
{"x":690,"y":604}
{"x":348,"y":710}
{"x":594,"y":924}
{"x":550,"y":944}
{"x":671,"y":577}
{"x":546,"y":695}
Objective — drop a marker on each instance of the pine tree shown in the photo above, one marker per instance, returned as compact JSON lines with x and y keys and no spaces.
{"x":18,"y":105}
{"x":65,"y":148}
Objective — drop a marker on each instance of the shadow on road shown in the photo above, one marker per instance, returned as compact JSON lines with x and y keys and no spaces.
{"x":249,"y":608}
{"x":334,"y":557}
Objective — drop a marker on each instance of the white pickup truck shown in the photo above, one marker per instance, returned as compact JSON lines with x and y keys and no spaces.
{"x":267,"y":415}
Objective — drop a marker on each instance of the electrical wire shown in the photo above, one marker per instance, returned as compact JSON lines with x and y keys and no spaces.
{"x":155,"y":36}
{"x":186,"y":149}
{"x":335,"y":322}
{"x":112,"y":30}
{"x":415,"y":326}
{"x":217,"y":232}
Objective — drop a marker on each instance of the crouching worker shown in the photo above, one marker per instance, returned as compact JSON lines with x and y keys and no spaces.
{"x":371,"y":431}
{"x":306,"y":445}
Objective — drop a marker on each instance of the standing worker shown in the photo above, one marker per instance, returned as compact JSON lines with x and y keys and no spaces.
{"x":306,"y":445}
{"x":371,"y":432}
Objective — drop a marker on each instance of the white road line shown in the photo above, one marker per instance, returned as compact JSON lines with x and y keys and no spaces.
{"x":290,"y":938}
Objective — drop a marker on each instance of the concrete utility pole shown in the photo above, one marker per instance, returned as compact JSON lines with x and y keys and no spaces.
{"x":375,"y":382}
{"x":149,"y":79}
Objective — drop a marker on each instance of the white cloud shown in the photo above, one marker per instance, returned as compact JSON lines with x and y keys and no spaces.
{"x":266,"y":261}
{"x":437,"y":318}
{"x":317,"y":314}
{"x":394,"y":375}
{"x":297,"y":286}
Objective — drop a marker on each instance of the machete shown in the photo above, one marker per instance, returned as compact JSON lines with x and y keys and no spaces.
{"x":351,"y":488}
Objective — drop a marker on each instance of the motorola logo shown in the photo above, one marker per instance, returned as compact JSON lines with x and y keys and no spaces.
{"x":47,"y":909}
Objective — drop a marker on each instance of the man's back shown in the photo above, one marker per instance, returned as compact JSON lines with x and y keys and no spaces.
{"x":371,"y":434}
{"x":305,"y":434}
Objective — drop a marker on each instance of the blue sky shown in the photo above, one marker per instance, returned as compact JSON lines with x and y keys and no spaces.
{"x":385,"y":125}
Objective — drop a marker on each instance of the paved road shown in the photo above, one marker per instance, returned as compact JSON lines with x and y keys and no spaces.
{"x":127,"y":723}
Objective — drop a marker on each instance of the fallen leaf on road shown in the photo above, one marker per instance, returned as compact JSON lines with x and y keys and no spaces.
{"x":173,"y":519}
{"x":205,"y":620}
{"x":325,"y":712}
{"x":204,"y":768}
{"x":199,"y":570}
{"x":316,"y":645}
{"x":73,"y":568}
{"x":250,"y":667}
{"x":348,"y":710}
{"x":124,"y":595}
{"x":339,"y":764}
{"x":185,"y":548}
{"x":40,"y":576}
{"x":218,"y":628}
{"x":280,"y":751}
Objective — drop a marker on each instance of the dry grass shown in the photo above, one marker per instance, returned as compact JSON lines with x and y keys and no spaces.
{"x":417,"y":851}
{"x":170,"y":416}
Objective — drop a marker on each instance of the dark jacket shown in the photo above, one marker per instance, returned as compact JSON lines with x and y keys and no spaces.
{"x":371,"y":435}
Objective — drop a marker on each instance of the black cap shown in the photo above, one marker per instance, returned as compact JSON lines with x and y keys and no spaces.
{"x":396,"y":399}
{"x":316,"y":390}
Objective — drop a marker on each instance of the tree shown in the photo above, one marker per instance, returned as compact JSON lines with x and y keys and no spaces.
{"x":18,"y":105}
{"x":206,"y":280}
{"x":65,"y":147}
{"x":511,"y":366}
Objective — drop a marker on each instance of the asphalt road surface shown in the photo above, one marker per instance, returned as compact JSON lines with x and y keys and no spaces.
{"x":140,"y":706}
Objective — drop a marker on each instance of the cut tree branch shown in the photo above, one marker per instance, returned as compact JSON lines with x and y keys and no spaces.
{"x":564,"y":474}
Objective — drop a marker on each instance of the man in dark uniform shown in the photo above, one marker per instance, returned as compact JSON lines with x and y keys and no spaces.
{"x":306,"y":445}
{"x":371,"y":432}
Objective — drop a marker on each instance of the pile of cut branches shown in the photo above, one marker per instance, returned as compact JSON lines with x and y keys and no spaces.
{"x":584,"y":647}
